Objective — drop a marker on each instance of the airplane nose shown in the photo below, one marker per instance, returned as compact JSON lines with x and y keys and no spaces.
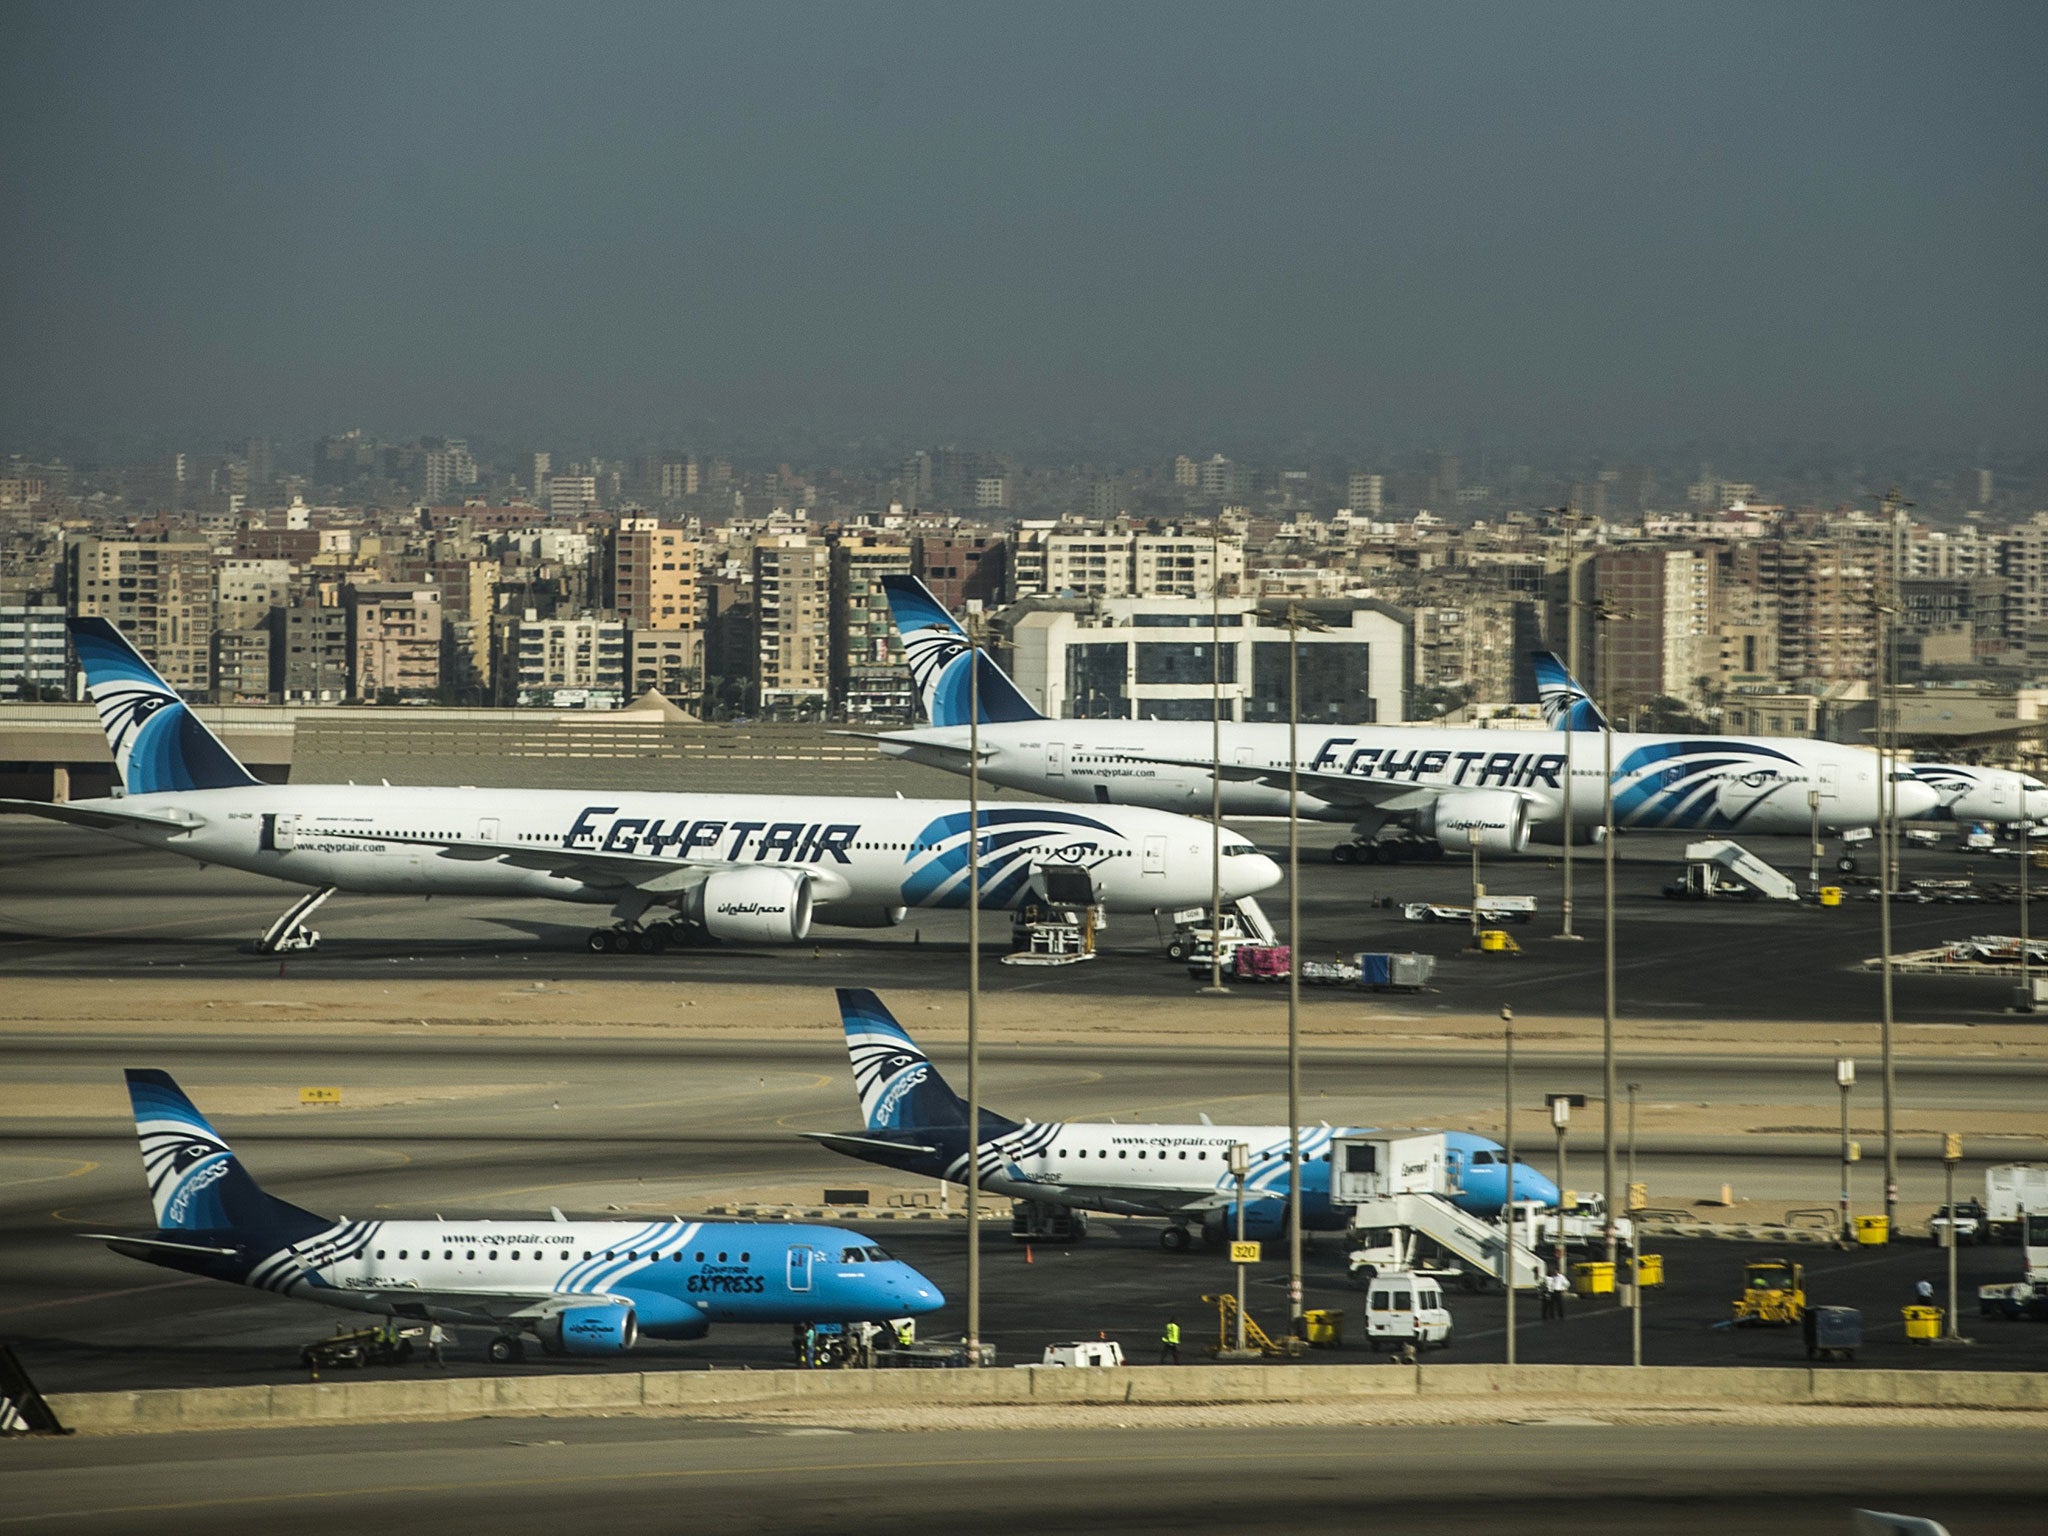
{"x":1914,"y":799}
{"x":2035,"y":804}
{"x":1250,"y":873}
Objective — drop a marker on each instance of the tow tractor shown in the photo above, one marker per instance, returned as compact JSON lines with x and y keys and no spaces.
{"x":1773,"y":1295}
{"x":359,"y":1347}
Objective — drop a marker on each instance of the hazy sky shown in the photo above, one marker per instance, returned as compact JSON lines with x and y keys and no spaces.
{"x":1426,"y":221}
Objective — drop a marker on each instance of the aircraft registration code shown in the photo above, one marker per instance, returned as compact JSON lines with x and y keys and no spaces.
{"x":1246,"y":1253}
{"x":319,"y":1095}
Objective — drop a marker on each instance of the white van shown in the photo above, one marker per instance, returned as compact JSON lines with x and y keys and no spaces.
{"x":1085,"y":1352}
{"x":1406,"y":1308}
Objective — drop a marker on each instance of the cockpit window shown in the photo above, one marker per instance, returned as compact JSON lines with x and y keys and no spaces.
{"x":1482,"y":1159}
{"x":864,"y":1255}
{"x":1237,"y":850}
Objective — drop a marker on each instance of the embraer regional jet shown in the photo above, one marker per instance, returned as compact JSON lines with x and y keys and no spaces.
{"x":917,"y":1123}
{"x":747,"y":868}
{"x":1452,"y":787}
{"x":576,"y":1287}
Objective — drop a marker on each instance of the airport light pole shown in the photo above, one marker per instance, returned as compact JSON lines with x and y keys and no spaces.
{"x":1560,"y":1118}
{"x":1571,"y":645}
{"x":1240,"y":1166}
{"x":2025,"y":997}
{"x":1886,"y":608}
{"x":1951,"y":1154}
{"x":974,"y":634}
{"x":1633,"y":1089}
{"x":1606,"y":614}
{"x":1216,"y":987}
{"x":1294,"y":624}
{"x":1507,"y":1143}
{"x":1813,"y":847}
{"x":1845,"y":1079}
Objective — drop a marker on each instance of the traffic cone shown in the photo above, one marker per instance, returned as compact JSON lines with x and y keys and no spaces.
{"x":1027,"y":1254}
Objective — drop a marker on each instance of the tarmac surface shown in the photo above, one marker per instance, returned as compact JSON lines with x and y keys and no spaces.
{"x":1543,"y":1478}
{"x":73,"y":902}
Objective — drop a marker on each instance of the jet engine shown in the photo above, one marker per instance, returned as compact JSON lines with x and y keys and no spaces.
{"x":1496,"y":820}
{"x":838,"y":915}
{"x":761,"y":905}
{"x":604,"y":1329}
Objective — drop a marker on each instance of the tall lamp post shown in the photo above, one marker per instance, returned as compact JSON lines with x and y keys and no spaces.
{"x":1886,"y":608}
{"x":1571,"y":644}
{"x":1216,"y":987}
{"x":1294,"y":1288}
{"x":1607,"y":614}
{"x":1507,"y":1143}
{"x":1560,"y":1118}
{"x":1240,"y":1166}
{"x":974,"y":635}
{"x":1951,"y":1154}
{"x":1845,"y":1079}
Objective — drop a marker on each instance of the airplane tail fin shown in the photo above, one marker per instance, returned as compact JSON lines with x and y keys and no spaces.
{"x":1561,"y":696}
{"x":158,"y":743}
{"x":937,"y":650}
{"x":900,"y":1089}
{"x":195,"y":1180}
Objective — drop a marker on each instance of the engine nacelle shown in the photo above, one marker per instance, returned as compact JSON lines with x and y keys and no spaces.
{"x":839,"y":915}
{"x":608,"y":1329}
{"x":1551,"y":835}
{"x":754,"y":906}
{"x":1494,"y":819}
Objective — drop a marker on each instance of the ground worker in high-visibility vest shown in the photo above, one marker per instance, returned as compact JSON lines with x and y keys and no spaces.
{"x":1169,"y":1342}
{"x":906,"y":1334}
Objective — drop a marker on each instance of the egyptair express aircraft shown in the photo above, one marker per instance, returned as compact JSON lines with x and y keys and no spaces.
{"x":746,"y":868}
{"x":1499,"y":789}
{"x":575,"y":1287}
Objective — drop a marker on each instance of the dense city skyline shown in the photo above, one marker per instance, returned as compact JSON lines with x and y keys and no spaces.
{"x":1324,"y":228}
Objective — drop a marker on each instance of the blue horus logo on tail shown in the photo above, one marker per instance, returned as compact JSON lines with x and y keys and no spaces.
{"x":1566,"y":705}
{"x":159,"y":744}
{"x":900,"y":1089}
{"x":196,"y":1182}
{"x":936,"y":649}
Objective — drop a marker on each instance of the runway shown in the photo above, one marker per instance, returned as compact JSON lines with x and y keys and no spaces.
{"x":503,"y":1477}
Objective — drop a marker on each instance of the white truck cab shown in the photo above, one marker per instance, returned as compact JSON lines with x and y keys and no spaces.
{"x":1406,"y":1308}
{"x":1084,"y":1352}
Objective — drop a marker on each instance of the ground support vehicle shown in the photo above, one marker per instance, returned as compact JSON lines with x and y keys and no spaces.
{"x":355,"y":1348}
{"x":1833,"y":1333}
{"x":1774,"y":1294}
{"x":2010,"y":1192}
{"x":1969,"y":1220}
{"x":1405,"y":1308}
{"x":1034,"y":1221}
{"x":1243,"y":922}
{"x":1256,"y":1339}
{"x":1084,"y":1352}
{"x":1395,"y":972}
{"x":1330,"y":973}
{"x":1720,"y":868}
{"x":1244,"y":962}
{"x":2014,"y":1301}
{"x":1492,"y":909}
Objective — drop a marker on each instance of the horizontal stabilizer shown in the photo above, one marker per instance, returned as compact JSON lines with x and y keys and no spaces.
{"x":854,"y":1141}
{"x":172,"y":1244}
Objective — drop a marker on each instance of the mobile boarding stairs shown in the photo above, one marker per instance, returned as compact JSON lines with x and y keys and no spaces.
{"x":1402,"y":1183}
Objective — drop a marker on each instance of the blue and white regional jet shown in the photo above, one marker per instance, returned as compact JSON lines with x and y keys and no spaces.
{"x":918,"y":1124}
{"x":745,"y":868}
{"x":575,"y":1287}
{"x":1454,"y":787}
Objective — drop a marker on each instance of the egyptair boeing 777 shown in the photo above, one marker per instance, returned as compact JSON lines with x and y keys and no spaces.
{"x":744,"y":868}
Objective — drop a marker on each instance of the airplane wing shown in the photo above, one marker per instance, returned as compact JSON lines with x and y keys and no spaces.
{"x":1333,"y":788}
{"x":592,"y":866}
{"x":104,"y":817}
{"x":848,"y":1141}
{"x":1141,"y":1201}
{"x":483,"y":1306}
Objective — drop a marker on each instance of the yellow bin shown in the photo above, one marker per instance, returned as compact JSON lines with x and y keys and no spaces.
{"x":1923,"y":1322}
{"x":1873,"y":1231}
{"x":1650,"y":1269}
{"x":1594,"y":1279}
{"x":1831,"y":895}
{"x":1325,"y":1328}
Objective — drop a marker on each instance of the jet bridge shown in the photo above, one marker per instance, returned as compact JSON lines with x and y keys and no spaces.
{"x":1403,"y":1182}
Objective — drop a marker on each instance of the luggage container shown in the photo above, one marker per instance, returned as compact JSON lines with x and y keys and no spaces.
{"x":1833,"y":1332}
{"x":1396,"y":972}
{"x":1873,"y":1231}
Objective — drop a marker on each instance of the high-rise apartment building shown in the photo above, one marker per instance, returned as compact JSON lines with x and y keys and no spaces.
{"x":793,"y":622}
{"x":654,"y":575}
{"x":394,"y":634}
{"x":241,"y":665}
{"x":159,"y":594}
{"x":1365,"y":494}
{"x":1661,"y":643}
{"x":958,"y":566}
{"x":870,"y":680}
{"x":246,"y":590}
{"x":668,"y":661}
{"x":32,"y":651}
{"x":570,"y":495}
{"x":585,"y":655}
{"x":309,"y":654}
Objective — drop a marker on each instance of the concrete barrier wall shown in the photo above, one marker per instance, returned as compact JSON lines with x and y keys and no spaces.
{"x":709,"y":1392}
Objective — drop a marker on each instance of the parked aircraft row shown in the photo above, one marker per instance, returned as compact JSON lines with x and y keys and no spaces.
{"x":1502,"y":790}
{"x":597,"y":1287}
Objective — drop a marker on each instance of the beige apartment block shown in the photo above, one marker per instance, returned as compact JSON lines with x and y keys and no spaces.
{"x":793,"y":618}
{"x":395,"y":638}
{"x":159,"y":594}
{"x":655,"y":575}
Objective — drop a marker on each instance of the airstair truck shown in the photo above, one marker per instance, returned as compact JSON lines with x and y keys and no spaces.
{"x":1402,"y":1182}
{"x":1718,"y":867}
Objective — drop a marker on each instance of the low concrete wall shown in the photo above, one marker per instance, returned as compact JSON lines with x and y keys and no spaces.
{"x":709,"y":1392}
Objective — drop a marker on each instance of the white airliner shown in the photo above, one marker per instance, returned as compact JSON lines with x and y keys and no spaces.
{"x":1499,"y":789}
{"x":747,"y":868}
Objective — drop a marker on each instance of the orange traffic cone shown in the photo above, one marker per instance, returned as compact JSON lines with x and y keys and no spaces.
{"x":1027,"y":1254}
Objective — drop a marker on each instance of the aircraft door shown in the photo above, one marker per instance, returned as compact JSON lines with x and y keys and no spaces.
{"x":1055,"y":759}
{"x":487,"y":829}
{"x":1155,"y":854}
{"x":284,"y":834}
{"x":800,"y":1269}
{"x":1826,"y":786}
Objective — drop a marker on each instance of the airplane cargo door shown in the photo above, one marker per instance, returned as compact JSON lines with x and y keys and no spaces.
{"x":1155,"y":855}
{"x":799,"y":1269}
{"x":487,"y":829}
{"x":1055,"y":759}
{"x":284,"y":833}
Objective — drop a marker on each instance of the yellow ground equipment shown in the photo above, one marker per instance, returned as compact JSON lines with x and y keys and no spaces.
{"x":1923,"y":1324}
{"x":1775,"y":1293}
{"x":1497,"y":941}
{"x":1255,"y":1337}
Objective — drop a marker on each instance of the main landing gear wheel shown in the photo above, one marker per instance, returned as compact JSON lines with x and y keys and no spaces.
{"x":1176,"y":1239}
{"x":1344,"y":853}
{"x":600,"y":941}
{"x":1846,"y":864}
{"x":507,"y":1349}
